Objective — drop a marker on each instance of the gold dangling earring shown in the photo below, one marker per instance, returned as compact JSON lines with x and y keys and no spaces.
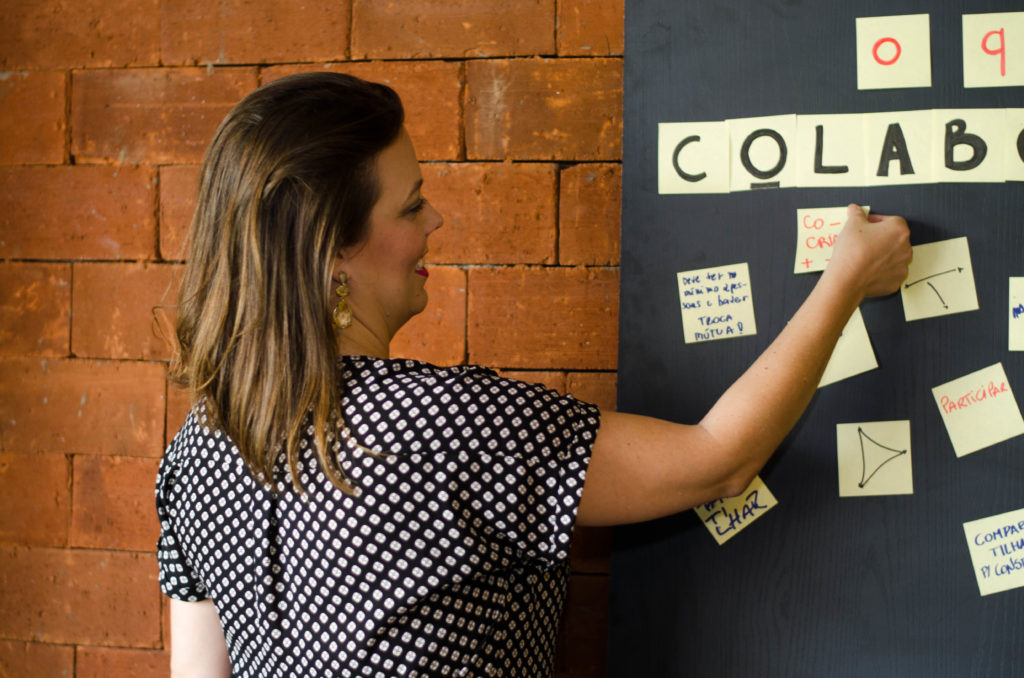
{"x":342,"y":313}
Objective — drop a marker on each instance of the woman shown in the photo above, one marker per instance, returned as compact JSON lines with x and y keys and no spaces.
{"x":326,"y":510}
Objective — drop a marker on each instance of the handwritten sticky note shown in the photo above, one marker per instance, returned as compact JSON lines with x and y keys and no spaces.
{"x":968,"y":145}
{"x":724,"y":518}
{"x":940,"y":280}
{"x":762,"y":152}
{"x":693,"y":157}
{"x":816,"y":232}
{"x":874,"y":458}
{"x":831,"y":150}
{"x":1016,"y":322}
{"x":853,"y":353}
{"x":893,"y":52}
{"x":716,"y":303}
{"x":898,"y":148}
{"x":979,"y":410}
{"x":992,"y":49}
{"x":996,"y":545}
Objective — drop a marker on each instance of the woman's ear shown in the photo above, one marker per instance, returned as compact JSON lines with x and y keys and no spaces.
{"x":337,"y":266}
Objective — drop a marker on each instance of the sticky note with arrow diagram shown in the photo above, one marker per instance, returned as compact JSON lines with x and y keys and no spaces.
{"x":940,"y":282}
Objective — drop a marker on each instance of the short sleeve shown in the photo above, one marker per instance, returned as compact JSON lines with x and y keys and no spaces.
{"x":177,"y":578}
{"x":523,"y":484}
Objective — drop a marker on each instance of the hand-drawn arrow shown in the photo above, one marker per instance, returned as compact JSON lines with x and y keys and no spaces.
{"x":958,"y":269}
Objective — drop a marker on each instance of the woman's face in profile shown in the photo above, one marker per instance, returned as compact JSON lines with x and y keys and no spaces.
{"x":386,"y":272}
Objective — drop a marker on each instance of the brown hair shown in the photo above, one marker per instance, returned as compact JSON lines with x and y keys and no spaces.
{"x":288,"y":180}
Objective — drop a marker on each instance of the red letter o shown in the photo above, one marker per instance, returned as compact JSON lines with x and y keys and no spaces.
{"x":881,"y":41}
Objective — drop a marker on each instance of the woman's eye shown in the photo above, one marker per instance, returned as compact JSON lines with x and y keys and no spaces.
{"x":418,"y":207}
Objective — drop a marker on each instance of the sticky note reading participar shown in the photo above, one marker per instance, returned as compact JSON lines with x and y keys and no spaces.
{"x":1016,"y":314}
{"x":725,"y":517}
{"x":940,"y":280}
{"x":874,"y":458}
{"x":853,"y":353}
{"x":996,"y":544}
{"x":979,"y":410}
{"x":716,"y":303}
{"x":816,"y":232}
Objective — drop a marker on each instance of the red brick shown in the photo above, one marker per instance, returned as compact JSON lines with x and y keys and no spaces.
{"x":113,"y":503}
{"x":53,"y":34}
{"x":543,"y":318}
{"x":589,"y":214}
{"x":241,"y":31}
{"x":32,"y":117}
{"x":151,"y":116}
{"x":35,"y":504}
{"x":35,"y":308}
{"x":178,"y":405}
{"x":438,"y":335}
{"x":79,"y":597}
{"x":451,"y":28}
{"x":495,"y":213}
{"x":593,"y":387}
{"x":582,"y":637}
{"x":544,"y":109}
{"x":124,"y":310}
{"x":104,"y":662}
{"x":82,"y":406}
{"x":430,"y":93}
{"x":591,"y":550}
{"x":590,"y":27}
{"x":77,"y":213}
{"x":179,"y":186}
{"x":552,"y":380}
{"x":35,"y":660}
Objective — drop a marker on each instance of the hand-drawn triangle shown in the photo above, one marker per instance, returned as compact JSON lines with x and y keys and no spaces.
{"x":873,"y":456}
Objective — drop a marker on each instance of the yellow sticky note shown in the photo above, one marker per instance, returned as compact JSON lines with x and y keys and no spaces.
{"x":893,"y":52}
{"x":979,"y":410}
{"x":716,"y":303}
{"x":1016,"y":314}
{"x":993,"y":49}
{"x":763,"y":152}
{"x":940,"y":280}
{"x":968,"y":145}
{"x":817,"y":229}
{"x":874,"y":458}
{"x":897,"y":148}
{"x":853,"y":353}
{"x":831,"y":150}
{"x":693,"y":157}
{"x":1014,"y":168}
{"x":996,"y":545}
{"x":724,"y":518}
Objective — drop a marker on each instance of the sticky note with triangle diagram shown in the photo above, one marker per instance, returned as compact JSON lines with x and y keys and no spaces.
{"x":940,"y":281}
{"x":874,"y":458}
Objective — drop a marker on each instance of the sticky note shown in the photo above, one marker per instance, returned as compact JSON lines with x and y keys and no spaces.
{"x":940,"y":280}
{"x":996,"y":545}
{"x":897,"y":148}
{"x":762,"y":152}
{"x":993,"y":49}
{"x":1014,"y":146}
{"x":1016,"y":314}
{"x":831,"y":150}
{"x":724,"y":518}
{"x":979,"y":410}
{"x":893,"y":52}
{"x":853,"y":353}
{"x":968,"y":145}
{"x":817,"y":229}
{"x":716,"y":303}
{"x":874,"y":458}
{"x":693,"y":157}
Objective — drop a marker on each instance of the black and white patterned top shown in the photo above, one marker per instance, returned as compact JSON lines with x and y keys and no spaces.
{"x":451,"y":561}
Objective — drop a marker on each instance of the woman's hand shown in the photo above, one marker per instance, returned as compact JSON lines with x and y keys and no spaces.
{"x":872,"y":252}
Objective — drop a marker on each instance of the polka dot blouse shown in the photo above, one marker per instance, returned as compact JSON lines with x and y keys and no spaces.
{"x":452,"y":560}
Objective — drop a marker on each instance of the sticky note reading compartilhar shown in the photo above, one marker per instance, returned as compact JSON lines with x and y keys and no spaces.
{"x":716,"y":303}
{"x":724,"y":518}
{"x":996,"y":545}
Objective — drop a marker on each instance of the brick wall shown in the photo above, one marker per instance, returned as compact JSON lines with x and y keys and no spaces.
{"x":106,"y":107}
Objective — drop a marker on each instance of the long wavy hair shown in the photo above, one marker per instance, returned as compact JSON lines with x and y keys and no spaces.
{"x":289,"y":180}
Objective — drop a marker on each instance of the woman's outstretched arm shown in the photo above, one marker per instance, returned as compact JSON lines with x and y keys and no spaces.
{"x":644,"y":468}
